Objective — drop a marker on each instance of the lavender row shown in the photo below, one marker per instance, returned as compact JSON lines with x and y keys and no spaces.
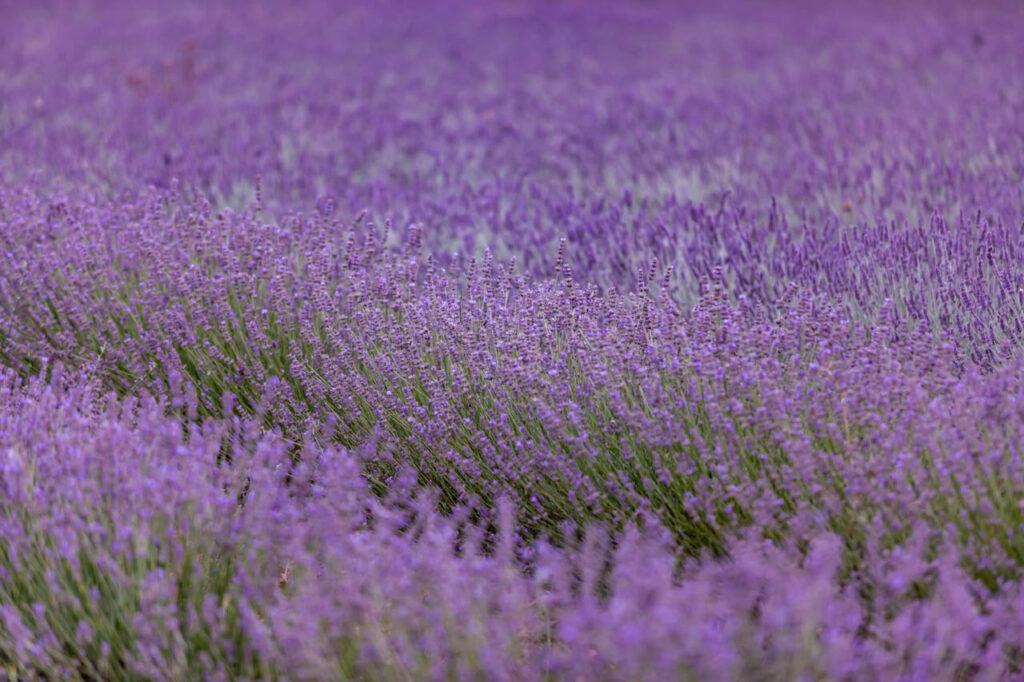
{"x":578,"y":406}
{"x":138,"y":548}
{"x":870,"y":154}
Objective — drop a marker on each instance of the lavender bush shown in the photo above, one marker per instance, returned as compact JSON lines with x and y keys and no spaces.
{"x":515,"y":341}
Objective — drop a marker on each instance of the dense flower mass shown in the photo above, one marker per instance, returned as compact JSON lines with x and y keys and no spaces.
{"x":511,"y":341}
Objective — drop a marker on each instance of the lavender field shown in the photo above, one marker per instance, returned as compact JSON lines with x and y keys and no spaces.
{"x":512,"y":340}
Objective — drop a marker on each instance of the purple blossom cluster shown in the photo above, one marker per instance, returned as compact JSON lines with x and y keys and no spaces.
{"x":514,"y":341}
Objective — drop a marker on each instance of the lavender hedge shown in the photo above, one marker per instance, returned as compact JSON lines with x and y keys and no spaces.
{"x":511,"y":341}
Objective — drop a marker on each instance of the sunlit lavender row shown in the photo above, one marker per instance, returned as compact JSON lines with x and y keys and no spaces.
{"x":511,"y":341}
